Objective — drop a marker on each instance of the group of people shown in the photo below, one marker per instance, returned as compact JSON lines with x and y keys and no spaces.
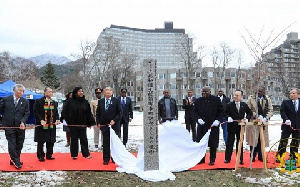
{"x":201,"y":114}
{"x":211,"y":112}
{"x":76,"y":116}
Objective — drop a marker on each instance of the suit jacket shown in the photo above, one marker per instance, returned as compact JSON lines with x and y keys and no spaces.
{"x":208,"y":110}
{"x":287,"y":112}
{"x":127,"y":109}
{"x":224,"y":101}
{"x":231,"y":111}
{"x":114,"y":112}
{"x":188,"y":107}
{"x":40,"y":134}
{"x":13,"y":116}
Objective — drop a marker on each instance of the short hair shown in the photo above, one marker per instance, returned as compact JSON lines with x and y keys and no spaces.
{"x":207,"y":87}
{"x":297,"y":90}
{"x":98,"y":89}
{"x":46,"y":88}
{"x":123,"y":89}
{"x":18,"y":86}
{"x":238,"y":90}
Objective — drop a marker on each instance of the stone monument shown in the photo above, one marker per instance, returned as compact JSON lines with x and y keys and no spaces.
{"x":151,"y":157}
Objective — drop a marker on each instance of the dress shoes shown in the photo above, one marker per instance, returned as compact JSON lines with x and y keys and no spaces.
{"x":227,"y":161}
{"x":11,"y":163}
{"x":50,"y":158}
{"x":42,"y":159}
{"x":74,"y":157}
{"x":17,"y":165}
{"x":88,"y":157}
{"x":105,"y":163}
{"x":260,"y":159}
{"x":241,"y":162}
{"x":211,"y":163}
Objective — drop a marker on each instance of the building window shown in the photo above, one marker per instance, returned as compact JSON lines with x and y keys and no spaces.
{"x":210,"y":74}
{"x":161,"y":86}
{"x":232,"y":74}
{"x":173,"y":86}
{"x":197,"y":74}
{"x":161,"y":76}
{"x":231,"y":86}
{"x":172,"y":75}
{"x":129,"y":83}
{"x":184,"y":75}
{"x":198,"y":85}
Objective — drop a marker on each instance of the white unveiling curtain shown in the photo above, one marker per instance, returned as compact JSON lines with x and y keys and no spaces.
{"x":177,"y":152}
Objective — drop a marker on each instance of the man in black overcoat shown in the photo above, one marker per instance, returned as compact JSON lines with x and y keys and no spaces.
{"x":127,"y":114}
{"x":290,"y":114}
{"x":235,"y":110}
{"x":15,"y":114}
{"x":108,"y":113}
{"x":188,"y":106}
{"x":208,"y":112}
{"x":46,"y":114}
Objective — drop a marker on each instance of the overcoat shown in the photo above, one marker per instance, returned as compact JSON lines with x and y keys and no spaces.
{"x":268,"y":113}
{"x":41,"y":134}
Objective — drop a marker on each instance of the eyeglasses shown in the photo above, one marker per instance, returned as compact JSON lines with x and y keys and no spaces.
{"x":98,"y":93}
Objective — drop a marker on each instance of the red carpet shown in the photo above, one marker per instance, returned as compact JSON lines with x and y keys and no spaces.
{"x":64,"y":162}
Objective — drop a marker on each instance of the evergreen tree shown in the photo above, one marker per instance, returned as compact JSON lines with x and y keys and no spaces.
{"x":48,"y":77}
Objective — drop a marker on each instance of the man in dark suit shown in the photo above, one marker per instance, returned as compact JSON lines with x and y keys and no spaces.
{"x":15,"y":114}
{"x":235,"y":110}
{"x":208,"y":112}
{"x":290,"y":114}
{"x":108,"y":113}
{"x":188,"y":105}
{"x":127,"y":114}
{"x":46,"y":114}
{"x":224,"y":101}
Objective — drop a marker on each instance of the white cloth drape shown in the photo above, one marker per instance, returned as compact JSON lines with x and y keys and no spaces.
{"x":177,"y":152}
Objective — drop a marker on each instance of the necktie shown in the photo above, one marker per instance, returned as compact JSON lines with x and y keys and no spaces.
{"x":123,"y":102}
{"x":16,"y":102}
{"x":107,"y":104}
{"x":295,"y":106}
{"x":238,"y":106}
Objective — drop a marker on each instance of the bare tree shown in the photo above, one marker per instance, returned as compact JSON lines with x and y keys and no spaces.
{"x":190,"y":58}
{"x":216,"y":64}
{"x":258,"y":47}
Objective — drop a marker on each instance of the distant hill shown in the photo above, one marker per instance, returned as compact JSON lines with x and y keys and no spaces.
{"x":43,"y":59}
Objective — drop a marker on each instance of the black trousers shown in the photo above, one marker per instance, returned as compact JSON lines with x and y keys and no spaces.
{"x":106,"y":141}
{"x":79,"y":133}
{"x":230,"y":143}
{"x":257,"y":149}
{"x":125,"y":131}
{"x":15,"y":139}
{"x":190,"y":124}
{"x":40,"y":149}
{"x":284,"y":141}
{"x":213,"y":141}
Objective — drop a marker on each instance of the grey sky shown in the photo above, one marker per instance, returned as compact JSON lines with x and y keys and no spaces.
{"x":33,"y":27}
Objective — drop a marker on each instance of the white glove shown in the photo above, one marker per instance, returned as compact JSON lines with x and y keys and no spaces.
{"x":200,"y":121}
{"x":216,"y":123}
{"x":229,"y":120}
{"x":264,"y":120}
{"x":288,"y":122}
{"x":260,"y":117}
{"x":64,"y":122}
{"x":246,"y":120}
